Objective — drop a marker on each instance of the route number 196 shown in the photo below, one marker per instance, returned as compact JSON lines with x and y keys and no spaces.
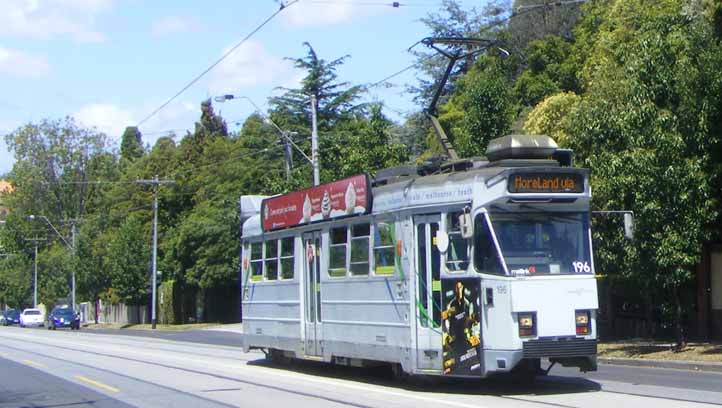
{"x":581,"y":267}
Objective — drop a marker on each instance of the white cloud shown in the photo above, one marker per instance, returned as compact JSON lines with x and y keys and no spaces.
{"x":307,"y":14}
{"x":249,"y":66}
{"x":46,"y":18}
{"x":174,"y":25}
{"x":107,"y":118}
{"x":19,"y":63}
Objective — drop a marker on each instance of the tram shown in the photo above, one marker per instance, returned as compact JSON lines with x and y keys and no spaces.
{"x":471,"y":269}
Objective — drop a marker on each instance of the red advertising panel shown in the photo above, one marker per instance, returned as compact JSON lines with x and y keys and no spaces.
{"x":350,"y":196}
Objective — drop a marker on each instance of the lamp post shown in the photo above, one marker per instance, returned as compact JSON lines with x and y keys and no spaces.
{"x":35,"y":269}
{"x":70,"y":245}
{"x":285,"y":135}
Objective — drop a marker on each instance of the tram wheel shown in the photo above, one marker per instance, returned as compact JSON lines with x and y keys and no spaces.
{"x":398,"y":373}
{"x":277,"y":357}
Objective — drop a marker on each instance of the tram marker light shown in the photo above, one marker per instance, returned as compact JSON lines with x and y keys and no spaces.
{"x":527,"y":324}
{"x":582,"y":321}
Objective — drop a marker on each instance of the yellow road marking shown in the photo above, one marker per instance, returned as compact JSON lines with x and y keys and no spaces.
{"x":35,"y":364}
{"x":97,"y":384}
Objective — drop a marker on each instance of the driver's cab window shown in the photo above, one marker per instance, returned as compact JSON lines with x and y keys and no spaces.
{"x":457,"y":255}
{"x":486,"y":257}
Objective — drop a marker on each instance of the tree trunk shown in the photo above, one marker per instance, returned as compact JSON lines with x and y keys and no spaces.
{"x":681,"y":342}
{"x":651,"y":331}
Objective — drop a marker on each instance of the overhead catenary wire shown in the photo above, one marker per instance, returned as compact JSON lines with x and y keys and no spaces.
{"x":218,"y":61}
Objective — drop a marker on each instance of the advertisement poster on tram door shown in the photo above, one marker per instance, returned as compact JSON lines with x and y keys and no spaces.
{"x":460,"y":326}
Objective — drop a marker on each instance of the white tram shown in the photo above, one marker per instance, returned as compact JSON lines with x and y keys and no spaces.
{"x":483,"y":267}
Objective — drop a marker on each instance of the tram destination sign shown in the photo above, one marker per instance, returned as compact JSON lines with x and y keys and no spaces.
{"x":545,"y":183}
{"x":342,"y":198}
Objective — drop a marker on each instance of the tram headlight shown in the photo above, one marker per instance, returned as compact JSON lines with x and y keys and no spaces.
{"x":581,"y":317}
{"x":527,"y":324}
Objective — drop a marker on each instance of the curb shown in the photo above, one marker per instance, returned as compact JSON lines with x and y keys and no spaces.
{"x":677,"y":365}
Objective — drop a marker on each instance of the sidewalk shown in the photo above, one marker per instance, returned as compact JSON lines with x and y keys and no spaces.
{"x":233,"y":327}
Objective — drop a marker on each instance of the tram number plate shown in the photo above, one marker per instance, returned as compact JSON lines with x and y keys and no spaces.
{"x":545,"y":183}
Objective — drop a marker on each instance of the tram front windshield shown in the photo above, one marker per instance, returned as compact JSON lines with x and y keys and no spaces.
{"x":543,"y":242}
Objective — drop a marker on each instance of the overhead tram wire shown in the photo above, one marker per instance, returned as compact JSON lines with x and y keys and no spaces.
{"x":218,"y":61}
{"x":394,"y":4}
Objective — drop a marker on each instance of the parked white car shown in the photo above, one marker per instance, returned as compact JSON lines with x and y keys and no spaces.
{"x":31,"y":317}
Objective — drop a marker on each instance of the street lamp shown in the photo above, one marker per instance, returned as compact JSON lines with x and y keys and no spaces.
{"x":70,"y":245}
{"x":287,"y":141}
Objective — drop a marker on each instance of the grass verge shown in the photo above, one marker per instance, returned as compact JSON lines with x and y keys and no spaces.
{"x":655,"y":350}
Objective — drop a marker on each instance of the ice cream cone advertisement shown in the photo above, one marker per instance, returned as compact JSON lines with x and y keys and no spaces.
{"x":342,"y":198}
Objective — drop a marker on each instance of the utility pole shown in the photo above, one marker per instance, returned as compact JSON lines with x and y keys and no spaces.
{"x":155,"y":182}
{"x":35,"y":269}
{"x":314,"y":142}
{"x":73,"y":222}
{"x":287,"y":153}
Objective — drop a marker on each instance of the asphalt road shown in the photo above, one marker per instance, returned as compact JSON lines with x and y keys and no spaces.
{"x":158,"y":370}
{"x":22,"y":385}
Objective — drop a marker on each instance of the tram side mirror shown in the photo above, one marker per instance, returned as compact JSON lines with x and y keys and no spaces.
{"x":466,"y":226}
{"x":442,"y":241}
{"x":629,"y":225}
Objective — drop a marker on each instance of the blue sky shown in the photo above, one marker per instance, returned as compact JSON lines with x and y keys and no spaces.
{"x":109,"y":63}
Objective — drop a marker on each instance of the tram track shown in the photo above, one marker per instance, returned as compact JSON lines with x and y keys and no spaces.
{"x":288,"y":390}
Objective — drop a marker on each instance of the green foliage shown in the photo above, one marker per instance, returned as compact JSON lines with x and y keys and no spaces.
{"x":334,"y":99}
{"x":360,"y":145}
{"x":552,"y":117}
{"x":129,"y":262}
{"x":480,"y":110}
{"x":16,"y":281}
{"x":131,"y":144}
{"x":453,"y":20}
{"x":548,"y":71}
{"x":169,"y":303}
{"x":648,"y":127}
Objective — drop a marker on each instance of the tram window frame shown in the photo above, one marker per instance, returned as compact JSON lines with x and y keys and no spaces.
{"x":453,"y":230}
{"x":482,"y":229}
{"x":284,"y":258}
{"x":359,"y":233}
{"x":388,"y":270}
{"x":256,"y":263}
{"x":270,"y":258}
{"x":335,"y":236}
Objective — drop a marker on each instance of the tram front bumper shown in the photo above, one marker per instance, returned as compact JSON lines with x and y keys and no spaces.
{"x":569,"y":351}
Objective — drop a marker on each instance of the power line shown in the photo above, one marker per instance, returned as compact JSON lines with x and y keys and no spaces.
{"x":394,"y":4}
{"x":223,"y":57}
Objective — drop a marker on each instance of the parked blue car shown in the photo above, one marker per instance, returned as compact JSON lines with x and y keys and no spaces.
{"x":10,"y":317}
{"x":63,"y":317}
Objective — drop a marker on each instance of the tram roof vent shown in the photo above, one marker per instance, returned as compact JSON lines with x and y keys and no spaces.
{"x":521,"y":147}
{"x":395,"y":174}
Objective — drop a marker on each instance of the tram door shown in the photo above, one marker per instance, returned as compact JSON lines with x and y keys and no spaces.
{"x":312,"y":289}
{"x":428,"y":293}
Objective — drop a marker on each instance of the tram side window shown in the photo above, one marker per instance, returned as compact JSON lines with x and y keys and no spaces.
{"x":457,"y":256}
{"x":486,"y":258}
{"x":257,"y":261}
{"x":337,"y":253}
{"x":360,"y":241}
{"x":287,"y":258}
{"x":271,"y":260}
{"x":384,"y":248}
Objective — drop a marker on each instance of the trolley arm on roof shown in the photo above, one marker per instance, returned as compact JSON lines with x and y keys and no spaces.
{"x":453,"y":57}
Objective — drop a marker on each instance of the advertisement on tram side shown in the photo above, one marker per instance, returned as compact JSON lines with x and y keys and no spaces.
{"x":342,"y":198}
{"x":460,"y":326}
